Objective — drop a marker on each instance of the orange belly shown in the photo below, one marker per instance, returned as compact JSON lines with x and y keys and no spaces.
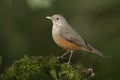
{"x":66,"y":44}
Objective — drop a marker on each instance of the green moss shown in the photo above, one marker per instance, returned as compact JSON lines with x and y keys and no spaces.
{"x":67,"y":72}
{"x":39,"y":68}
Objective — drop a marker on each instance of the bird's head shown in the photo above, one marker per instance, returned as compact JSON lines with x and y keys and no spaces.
{"x":58,"y":20}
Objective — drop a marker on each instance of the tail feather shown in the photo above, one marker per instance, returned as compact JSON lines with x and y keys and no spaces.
{"x":97,"y":51}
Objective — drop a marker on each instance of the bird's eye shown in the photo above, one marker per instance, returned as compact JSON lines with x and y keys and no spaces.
{"x":57,"y":18}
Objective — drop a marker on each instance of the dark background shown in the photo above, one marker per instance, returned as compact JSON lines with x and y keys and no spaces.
{"x":25,"y":30}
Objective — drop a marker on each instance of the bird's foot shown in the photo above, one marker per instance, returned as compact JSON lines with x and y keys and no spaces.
{"x":64,"y":60}
{"x":68,"y":62}
{"x":60,"y":57}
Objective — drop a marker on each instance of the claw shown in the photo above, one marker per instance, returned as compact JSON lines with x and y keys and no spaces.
{"x":60,"y":57}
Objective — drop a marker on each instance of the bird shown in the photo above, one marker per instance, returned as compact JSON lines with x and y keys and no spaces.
{"x":68,"y":38}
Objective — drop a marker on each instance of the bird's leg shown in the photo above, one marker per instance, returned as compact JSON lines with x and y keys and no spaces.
{"x":63,"y":55}
{"x":71,"y":53}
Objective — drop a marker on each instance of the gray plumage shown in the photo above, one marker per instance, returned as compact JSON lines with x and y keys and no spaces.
{"x":62,"y":28}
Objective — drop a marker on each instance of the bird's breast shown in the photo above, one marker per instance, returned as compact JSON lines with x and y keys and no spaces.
{"x":60,"y":41}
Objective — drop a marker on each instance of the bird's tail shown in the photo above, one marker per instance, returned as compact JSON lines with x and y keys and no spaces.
{"x":97,"y":52}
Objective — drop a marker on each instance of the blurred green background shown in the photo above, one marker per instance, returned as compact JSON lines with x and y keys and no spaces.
{"x":24,"y":30}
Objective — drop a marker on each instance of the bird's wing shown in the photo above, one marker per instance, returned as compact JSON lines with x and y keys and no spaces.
{"x":72,"y":36}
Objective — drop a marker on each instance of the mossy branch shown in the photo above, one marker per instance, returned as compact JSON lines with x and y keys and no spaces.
{"x":45,"y":68}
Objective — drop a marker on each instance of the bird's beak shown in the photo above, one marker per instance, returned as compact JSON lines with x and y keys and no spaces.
{"x":48,"y":17}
